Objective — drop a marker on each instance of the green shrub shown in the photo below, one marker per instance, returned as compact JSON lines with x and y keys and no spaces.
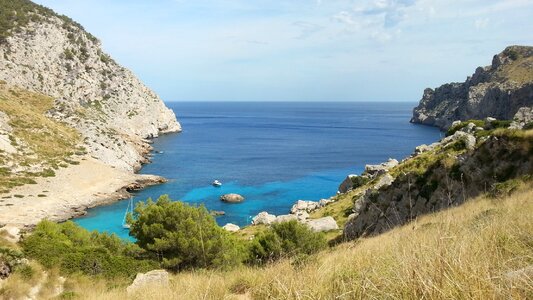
{"x":286,"y":239}
{"x":454,"y":129}
{"x":74,"y":249}
{"x":183,"y":236}
{"x":358,"y":181}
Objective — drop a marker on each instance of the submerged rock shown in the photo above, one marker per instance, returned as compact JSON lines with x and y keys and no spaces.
{"x":232,"y":198}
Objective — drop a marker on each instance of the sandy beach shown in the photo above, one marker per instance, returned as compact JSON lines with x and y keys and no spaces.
{"x":69,"y":193}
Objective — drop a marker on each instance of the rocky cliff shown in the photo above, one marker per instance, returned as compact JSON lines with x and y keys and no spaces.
{"x":498,"y":91}
{"x":53,"y":55}
{"x":472,"y":161}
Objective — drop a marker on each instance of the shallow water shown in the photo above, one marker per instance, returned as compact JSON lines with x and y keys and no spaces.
{"x":271,"y":153}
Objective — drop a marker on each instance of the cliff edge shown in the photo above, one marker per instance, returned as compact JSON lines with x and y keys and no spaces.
{"x":114,"y":111}
{"x":498,"y":91}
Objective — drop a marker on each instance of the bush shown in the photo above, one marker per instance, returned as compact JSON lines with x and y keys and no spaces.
{"x":454,"y":129}
{"x":183,"y":236}
{"x":74,"y":249}
{"x":285,"y":240}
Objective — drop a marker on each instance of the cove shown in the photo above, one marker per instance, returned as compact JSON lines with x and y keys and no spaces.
{"x":271,"y":153}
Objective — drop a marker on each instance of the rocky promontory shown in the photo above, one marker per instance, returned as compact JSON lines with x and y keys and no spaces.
{"x":498,"y":91}
{"x":113,"y":110}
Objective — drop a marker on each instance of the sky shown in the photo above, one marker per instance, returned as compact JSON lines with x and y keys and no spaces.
{"x":301,"y":50}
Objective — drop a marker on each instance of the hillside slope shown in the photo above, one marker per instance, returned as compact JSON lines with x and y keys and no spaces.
{"x":51,"y":54}
{"x":481,"y":250}
{"x":498,"y":91}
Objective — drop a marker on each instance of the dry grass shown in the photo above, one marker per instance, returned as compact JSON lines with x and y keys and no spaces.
{"x":40,"y":140}
{"x":460,"y":253}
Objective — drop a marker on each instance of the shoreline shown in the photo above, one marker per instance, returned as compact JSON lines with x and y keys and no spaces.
{"x":70,"y":193}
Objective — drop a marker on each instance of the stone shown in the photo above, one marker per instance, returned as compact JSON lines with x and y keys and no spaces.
{"x":231,"y":227}
{"x":12,"y":233}
{"x":302,"y":205}
{"x":263,"y":218}
{"x":323,"y":224}
{"x":490,"y":119}
{"x":285,"y":218}
{"x":217,"y":213}
{"x":151,"y":280}
{"x":421,"y":149}
{"x":232,"y":198}
{"x":524,"y":274}
{"x":376,"y":170}
{"x":385,"y":181}
{"x":302,"y":216}
{"x":523,"y":116}
{"x":5,"y":269}
{"x":455,"y":123}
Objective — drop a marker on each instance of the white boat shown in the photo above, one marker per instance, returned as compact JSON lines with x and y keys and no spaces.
{"x":217,"y":183}
{"x":129,"y":209}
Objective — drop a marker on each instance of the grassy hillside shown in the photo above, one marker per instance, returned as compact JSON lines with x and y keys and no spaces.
{"x":467,"y":252}
{"x":43,"y":145}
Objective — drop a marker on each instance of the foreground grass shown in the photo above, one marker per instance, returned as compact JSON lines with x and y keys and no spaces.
{"x":461,"y":253}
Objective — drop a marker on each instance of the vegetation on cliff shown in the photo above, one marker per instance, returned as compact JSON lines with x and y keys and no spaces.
{"x":39,"y":144}
{"x":15,"y":14}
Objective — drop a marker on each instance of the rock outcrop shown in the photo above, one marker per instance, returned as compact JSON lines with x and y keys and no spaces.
{"x":444,"y":174}
{"x":231,"y":227}
{"x":498,"y":91}
{"x":152,"y":280}
{"x":323,"y":224}
{"x":112,"y":109}
{"x":523,"y":118}
{"x":263,"y":218}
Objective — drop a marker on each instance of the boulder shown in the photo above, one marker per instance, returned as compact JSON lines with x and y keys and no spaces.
{"x":153,"y":280}
{"x":347,"y":184}
{"x":302,"y":205}
{"x":302,"y":215}
{"x":376,"y":170}
{"x":323,"y":224}
{"x":12,"y":233}
{"x":523,"y":116}
{"x":231,"y":227}
{"x":216,"y":213}
{"x":285,"y":218}
{"x":490,"y":119}
{"x":232,"y":198}
{"x":5,"y":270}
{"x":263,"y":218}
{"x":385,"y":181}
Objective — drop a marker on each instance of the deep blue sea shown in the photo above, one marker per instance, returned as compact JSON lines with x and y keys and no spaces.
{"x":271,"y":153}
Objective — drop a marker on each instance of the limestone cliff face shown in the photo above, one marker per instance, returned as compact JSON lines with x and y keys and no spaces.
{"x":112,"y":109}
{"x":498,"y":91}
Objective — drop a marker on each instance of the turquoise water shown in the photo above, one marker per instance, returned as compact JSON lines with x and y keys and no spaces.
{"x":271,"y":153}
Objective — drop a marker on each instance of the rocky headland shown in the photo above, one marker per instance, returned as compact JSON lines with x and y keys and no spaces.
{"x":497,"y":91}
{"x":61,"y":91}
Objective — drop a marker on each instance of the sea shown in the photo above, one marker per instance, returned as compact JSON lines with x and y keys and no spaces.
{"x":272,"y":153}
